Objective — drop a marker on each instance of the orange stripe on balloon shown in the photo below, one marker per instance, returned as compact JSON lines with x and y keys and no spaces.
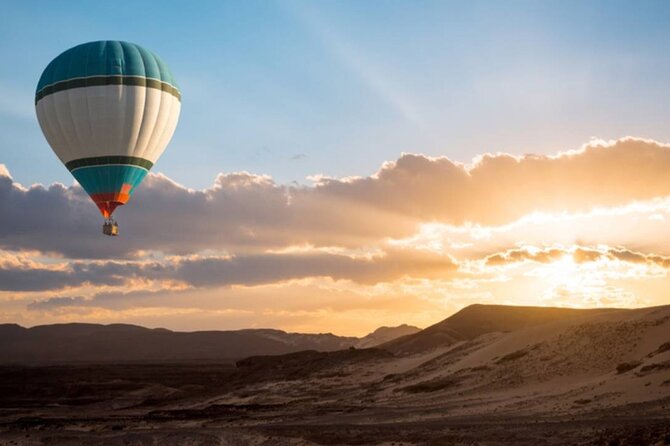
{"x":109,"y":201}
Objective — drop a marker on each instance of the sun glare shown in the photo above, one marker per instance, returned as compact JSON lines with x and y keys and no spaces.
{"x":564,"y":271}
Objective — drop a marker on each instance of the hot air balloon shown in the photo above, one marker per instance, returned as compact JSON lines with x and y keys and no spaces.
{"x":108,"y":109}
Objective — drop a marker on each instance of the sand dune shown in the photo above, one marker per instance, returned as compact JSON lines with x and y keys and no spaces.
{"x":569,"y":365}
{"x":491,"y":375}
{"x":476,"y":320}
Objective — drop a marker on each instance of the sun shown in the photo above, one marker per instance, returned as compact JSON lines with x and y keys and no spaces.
{"x":566,"y":280}
{"x":564,"y":271}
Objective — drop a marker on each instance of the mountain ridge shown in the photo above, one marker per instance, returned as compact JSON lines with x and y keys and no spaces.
{"x":88,"y":342}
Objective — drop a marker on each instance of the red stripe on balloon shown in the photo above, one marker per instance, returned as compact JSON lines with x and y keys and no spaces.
{"x":107,"y":202}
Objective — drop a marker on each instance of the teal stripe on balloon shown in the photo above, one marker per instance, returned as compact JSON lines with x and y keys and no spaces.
{"x":109,"y":179}
{"x":106,"y":58}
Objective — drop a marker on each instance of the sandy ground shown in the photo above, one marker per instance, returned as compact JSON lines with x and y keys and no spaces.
{"x":598,"y":380}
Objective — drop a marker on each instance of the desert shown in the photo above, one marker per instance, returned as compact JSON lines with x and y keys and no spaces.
{"x":488,"y":375}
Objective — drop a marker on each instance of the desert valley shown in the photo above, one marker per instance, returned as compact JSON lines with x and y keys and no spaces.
{"x":488,"y":375}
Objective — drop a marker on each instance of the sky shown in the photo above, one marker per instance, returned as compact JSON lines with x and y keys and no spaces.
{"x":339,"y":166}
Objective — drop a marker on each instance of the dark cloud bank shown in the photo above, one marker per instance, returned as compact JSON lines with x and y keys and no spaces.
{"x":249,"y":270}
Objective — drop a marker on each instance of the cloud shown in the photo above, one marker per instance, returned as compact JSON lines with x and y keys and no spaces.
{"x":626,"y":255}
{"x":42,"y":277}
{"x":4,"y":172}
{"x":501,"y":188}
{"x":247,"y":270}
{"x":579,"y":254}
{"x":271,"y":268}
{"x":56,"y":302}
{"x":585,"y":255}
{"x":248,"y":213}
{"x":517,"y":255}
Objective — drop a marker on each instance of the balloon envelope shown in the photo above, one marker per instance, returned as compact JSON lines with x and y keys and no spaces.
{"x":108,"y":109}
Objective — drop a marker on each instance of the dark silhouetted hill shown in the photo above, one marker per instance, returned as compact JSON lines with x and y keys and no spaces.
{"x":386,"y":334}
{"x":77,"y":342}
{"x":63,"y":343}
